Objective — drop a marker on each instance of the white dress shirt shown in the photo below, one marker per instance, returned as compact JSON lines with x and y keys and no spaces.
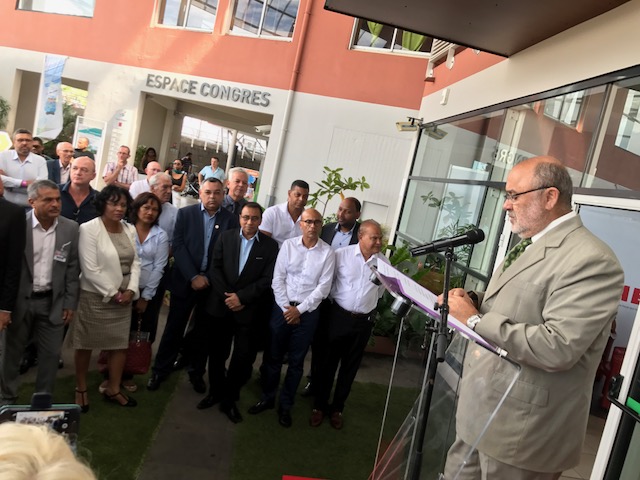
{"x":277,"y":221}
{"x":352,"y":289}
{"x":64,"y":172}
{"x":138,"y":187}
{"x":44,"y":243}
{"x":303,"y":274}
{"x":167,"y":220}
{"x":34,"y":167}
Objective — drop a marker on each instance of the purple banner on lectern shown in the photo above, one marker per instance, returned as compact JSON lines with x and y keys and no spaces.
{"x":398,"y":283}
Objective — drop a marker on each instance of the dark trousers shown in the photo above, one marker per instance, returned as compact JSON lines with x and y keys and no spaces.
{"x":180,"y":310}
{"x":245,"y":337}
{"x":293,"y":340}
{"x":347,"y":338}
{"x":47,"y":337}
{"x":320,"y":340}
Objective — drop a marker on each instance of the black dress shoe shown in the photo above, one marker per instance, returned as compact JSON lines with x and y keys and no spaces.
{"x":154,"y":382}
{"x":207,"y":402}
{"x":284,"y":418}
{"x":261,"y":406}
{"x":232,"y":412}
{"x":197,"y":383}
{"x":180,"y":362}
{"x":307,"y":391}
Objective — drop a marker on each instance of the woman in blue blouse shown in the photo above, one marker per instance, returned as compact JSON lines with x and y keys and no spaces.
{"x":152,"y":246}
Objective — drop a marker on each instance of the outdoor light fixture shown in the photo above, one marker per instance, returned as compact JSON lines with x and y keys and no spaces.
{"x":411,"y":126}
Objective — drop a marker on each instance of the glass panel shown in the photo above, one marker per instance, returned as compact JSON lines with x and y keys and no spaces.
{"x":372,"y":34}
{"x":412,"y":42}
{"x":280,"y":18}
{"x":202,"y":14}
{"x":247,"y":15}
{"x":172,"y":13}
{"x":471,"y":144}
{"x":565,"y":109}
{"x":80,"y":8}
{"x":617,"y":157}
{"x":410,"y":407}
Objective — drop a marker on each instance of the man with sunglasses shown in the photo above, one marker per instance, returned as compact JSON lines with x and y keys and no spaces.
{"x":550,"y":305}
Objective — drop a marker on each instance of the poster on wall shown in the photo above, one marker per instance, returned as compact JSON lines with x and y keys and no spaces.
{"x":252,"y":191}
{"x":619,"y":229}
{"x":93,"y":131}
{"x":48,"y":123}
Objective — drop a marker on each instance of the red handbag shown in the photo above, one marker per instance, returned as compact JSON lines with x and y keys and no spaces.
{"x":138,"y":354}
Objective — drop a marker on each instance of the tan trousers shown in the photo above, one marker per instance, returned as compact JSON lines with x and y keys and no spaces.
{"x":483,"y":467}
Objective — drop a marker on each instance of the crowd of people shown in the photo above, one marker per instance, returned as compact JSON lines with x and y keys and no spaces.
{"x":243,"y":279}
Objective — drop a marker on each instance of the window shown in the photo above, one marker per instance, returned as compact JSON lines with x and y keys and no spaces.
{"x":269,"y":18}
{"x":378,"y":36}
{"x":628,"y":136}
{"x":565,"y":109}
{"x":197,"y":14}
{"x":79,"y":8}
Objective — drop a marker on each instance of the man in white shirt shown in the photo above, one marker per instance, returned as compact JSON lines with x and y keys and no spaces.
{"x":282,"y":221}
{"x":160,"y":186}
{"x":48,"y":292}
{"x":59,"y":169}
{"x":349,"y":321}
{"x":141,"y":186}
{"x":301,"y":279}
{"x":20,"y":167}
{"x":120,"y":173}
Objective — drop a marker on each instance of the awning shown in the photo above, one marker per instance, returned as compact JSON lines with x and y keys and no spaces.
{"x":500,"y":27}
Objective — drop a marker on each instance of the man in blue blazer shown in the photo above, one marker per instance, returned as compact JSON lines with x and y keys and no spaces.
{"x":196,"y":231}
{"x":240,"y":276}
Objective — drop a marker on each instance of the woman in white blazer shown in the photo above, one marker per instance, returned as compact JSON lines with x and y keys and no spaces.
{"x":108,"y":285}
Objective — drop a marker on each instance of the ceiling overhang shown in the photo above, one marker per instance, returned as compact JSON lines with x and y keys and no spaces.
{"x":500,"y":27}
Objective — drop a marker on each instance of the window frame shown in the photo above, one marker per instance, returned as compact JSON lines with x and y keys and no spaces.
{"x":23,"y":9}
{"x":259,"y":34}
{"x":161,"y":5}
{"x":385,"y":51}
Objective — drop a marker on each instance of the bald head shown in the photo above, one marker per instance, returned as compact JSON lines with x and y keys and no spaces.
{"x":83,"y":170}
{"x":152,"y":168}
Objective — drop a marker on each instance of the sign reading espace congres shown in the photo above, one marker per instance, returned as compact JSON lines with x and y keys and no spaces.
{"x":213,"y":90}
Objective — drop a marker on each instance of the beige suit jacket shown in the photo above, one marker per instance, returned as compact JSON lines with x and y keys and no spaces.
{"x":551,"y":310}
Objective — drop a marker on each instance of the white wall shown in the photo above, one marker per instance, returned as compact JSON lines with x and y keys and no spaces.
{"x":360,"y":137}
{"x":598,"y":46}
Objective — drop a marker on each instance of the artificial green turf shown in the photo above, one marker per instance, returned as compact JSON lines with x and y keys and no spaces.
{"x":265,"y":450}
{"x":114,"y":439}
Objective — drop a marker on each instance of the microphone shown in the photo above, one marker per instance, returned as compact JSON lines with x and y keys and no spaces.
{"x":468,"y":238}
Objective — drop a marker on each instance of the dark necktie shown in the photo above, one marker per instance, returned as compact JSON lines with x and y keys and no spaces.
{"x":515,"y":253}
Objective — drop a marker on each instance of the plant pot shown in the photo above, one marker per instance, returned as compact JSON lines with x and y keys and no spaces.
{"x":382,"y":346}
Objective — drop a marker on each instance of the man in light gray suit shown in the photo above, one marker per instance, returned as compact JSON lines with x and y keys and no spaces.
{"x":550,"y":305}
{"x":48,"y":291}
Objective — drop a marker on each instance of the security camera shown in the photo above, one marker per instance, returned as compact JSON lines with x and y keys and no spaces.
{"x":263,"y":129}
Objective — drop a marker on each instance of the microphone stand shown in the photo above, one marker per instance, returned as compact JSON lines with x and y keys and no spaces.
{"x":436,"y":356}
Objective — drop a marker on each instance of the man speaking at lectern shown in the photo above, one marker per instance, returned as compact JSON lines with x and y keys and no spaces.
{"x":550,"y":305}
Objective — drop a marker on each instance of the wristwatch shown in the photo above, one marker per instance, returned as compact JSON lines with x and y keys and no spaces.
{"x":474,"y":320}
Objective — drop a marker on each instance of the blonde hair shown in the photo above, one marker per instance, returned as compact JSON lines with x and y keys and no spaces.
{"x":31,"y":452}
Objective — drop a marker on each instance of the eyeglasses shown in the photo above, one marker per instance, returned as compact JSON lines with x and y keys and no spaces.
{"x":67,"y":151}
{"x":312,"y":222}
{"x":512,"y":197}
{"x":246,"y":218}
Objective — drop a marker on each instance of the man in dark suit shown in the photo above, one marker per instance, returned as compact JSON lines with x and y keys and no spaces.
{"x":12,"y":243}
{"x":345,"y":231}
{"x":338,"y":234}
{"x":59,"y":169}
{"x":196,"y":230}
{"x":240,"y":275}
{"x":48,"y":292}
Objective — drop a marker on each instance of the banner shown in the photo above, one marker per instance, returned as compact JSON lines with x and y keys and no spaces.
{"x":94,"y":132}
{"x":49,"y":109}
